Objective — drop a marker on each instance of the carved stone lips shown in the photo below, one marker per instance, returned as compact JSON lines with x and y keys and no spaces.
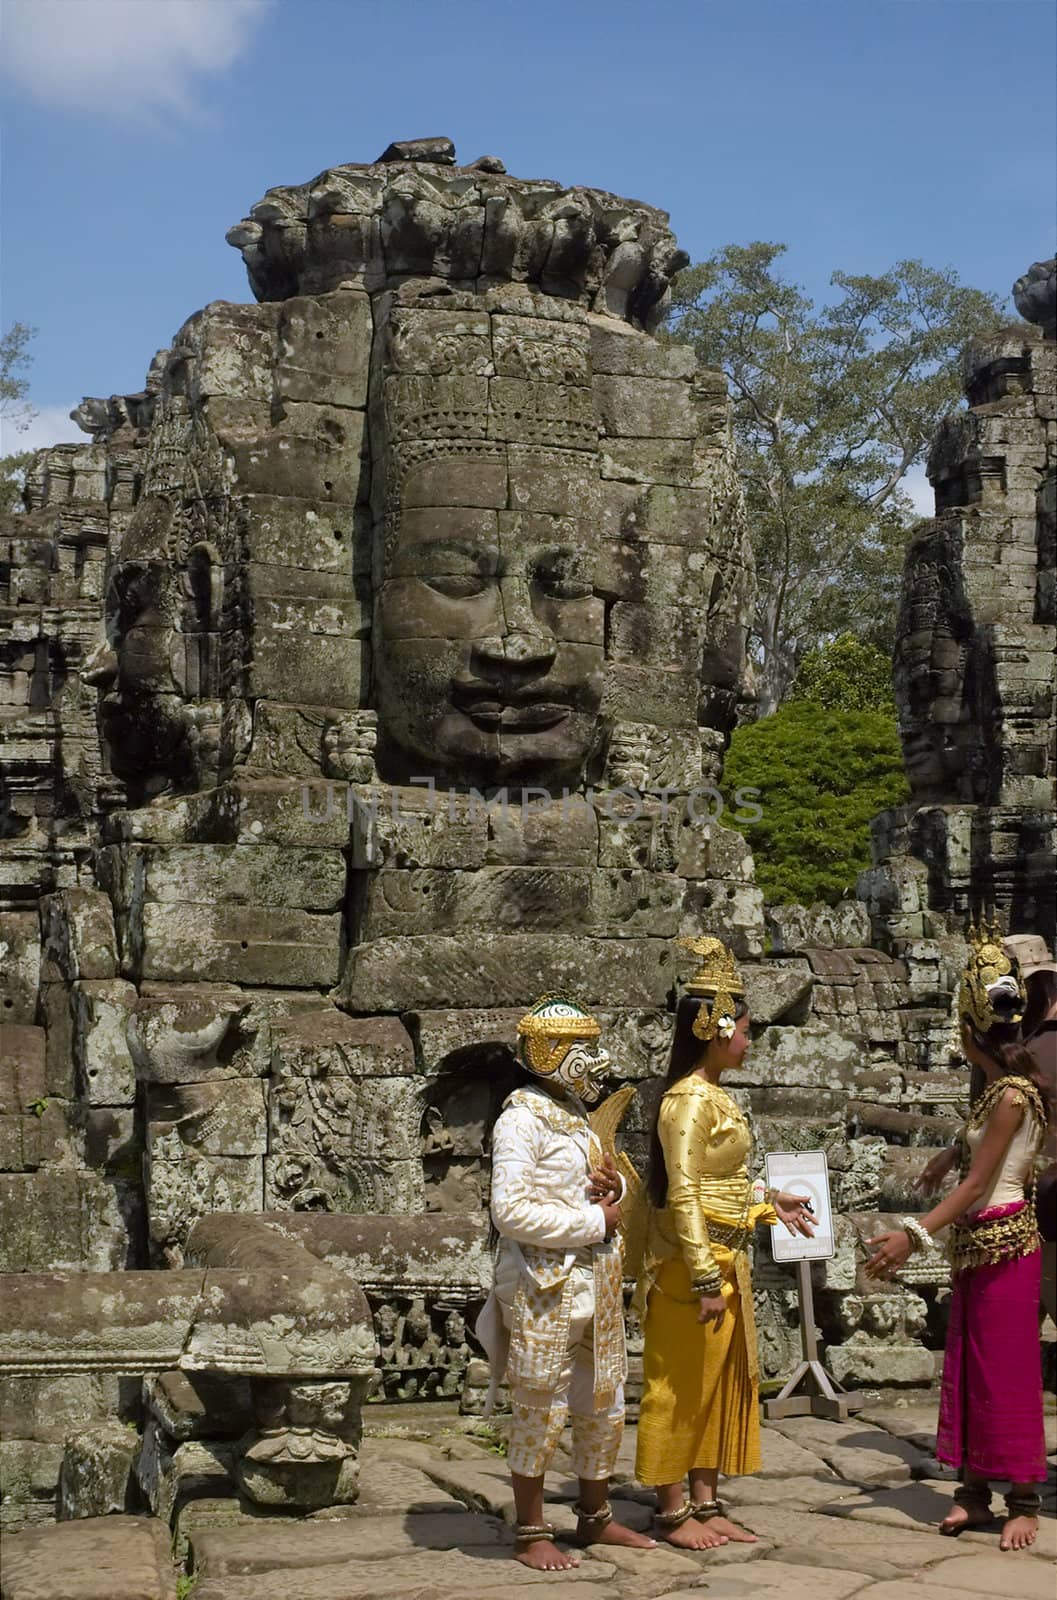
{"x":488,"y":707}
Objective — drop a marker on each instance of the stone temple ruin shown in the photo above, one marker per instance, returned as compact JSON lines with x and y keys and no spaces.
{"x":367,"y":675}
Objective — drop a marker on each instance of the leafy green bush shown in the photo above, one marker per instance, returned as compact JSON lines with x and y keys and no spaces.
{"x":821,"y":776}
{"x":847,"y":674}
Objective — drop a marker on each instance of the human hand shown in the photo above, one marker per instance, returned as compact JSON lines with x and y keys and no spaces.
{"x":795,"y":1212}
{"x":613,"y":1216}
{"x":893,"y":1252}
{"x":604,"y":1180}
{"x":713,"y":1308}
{"x":933,"y":1173}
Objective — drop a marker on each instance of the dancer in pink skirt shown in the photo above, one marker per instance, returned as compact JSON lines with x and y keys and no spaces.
{"x":990,"y":1422}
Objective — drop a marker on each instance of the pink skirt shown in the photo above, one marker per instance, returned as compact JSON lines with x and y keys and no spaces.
{"x":990,"y":1421}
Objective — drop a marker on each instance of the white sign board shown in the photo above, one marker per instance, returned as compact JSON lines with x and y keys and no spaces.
{"x":805,"y":1174}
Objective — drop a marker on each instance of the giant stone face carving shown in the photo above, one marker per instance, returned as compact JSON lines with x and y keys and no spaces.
{"x":490,"y":636}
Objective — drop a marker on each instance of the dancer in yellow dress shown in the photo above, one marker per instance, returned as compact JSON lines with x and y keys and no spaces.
{"x":699,"y":1415}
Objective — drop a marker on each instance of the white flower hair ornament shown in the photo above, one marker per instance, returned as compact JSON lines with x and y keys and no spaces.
{"x":725,"y":1027}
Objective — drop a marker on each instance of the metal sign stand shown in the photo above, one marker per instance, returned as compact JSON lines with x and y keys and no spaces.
{"x":823,"y":1396}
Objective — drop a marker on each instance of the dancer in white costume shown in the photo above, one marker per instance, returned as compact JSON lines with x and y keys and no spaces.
{"x":554,"y":1322}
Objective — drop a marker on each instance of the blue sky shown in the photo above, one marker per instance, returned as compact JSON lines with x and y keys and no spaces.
{"x":860,"y":132}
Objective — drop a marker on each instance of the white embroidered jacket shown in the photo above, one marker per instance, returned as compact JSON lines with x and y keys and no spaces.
{"x":542,"y":1153}
{"x":539,"y":1176}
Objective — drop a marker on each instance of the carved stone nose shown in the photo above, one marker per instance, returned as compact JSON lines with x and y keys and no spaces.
{"x":523,"y":647}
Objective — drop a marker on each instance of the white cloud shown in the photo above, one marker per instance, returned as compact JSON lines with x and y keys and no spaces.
{"x":51,"y":425}
{"x":124,"y":58}
{"x":918,"y":487}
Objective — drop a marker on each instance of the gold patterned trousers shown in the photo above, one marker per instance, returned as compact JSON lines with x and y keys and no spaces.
{"x":538,"y":1418}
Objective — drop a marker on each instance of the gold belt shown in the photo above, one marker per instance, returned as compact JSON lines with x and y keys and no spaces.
{"x":987,"y":1243}
{"x":733,"y":1236}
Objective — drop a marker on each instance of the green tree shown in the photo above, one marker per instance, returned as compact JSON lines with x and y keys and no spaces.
{"x":14,"y":407}
{"x":833,"y":404}
{"x":847,"y":674}
{"x":821,"y":776}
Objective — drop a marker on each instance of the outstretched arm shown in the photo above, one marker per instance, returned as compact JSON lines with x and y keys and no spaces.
{"x":895,"y":1247}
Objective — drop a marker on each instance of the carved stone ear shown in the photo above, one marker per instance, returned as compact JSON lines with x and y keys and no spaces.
{"x":202,"y":621}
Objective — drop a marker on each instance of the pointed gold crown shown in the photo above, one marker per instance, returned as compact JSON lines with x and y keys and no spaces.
{"x":988,"y":972}
{"x":716,"y":979}
{"x":549,"y":1027}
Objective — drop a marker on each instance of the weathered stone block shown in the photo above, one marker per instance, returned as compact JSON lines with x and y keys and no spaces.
{"x":411,"y":827}
{"x":97,"y":1471}
{"x":621,"y":350}
{"x":320,"y":669}
{"x":794,"y":929}
{"x":373,"y":1118}
{"x":169,"y":1474}
{"x":657,"y":695}
{"x":198,"y":1031}
{"x":638,"y":1041}
{"x":730,"y":911}
{"x":19,"y":966}
{"x":804,"y":1057}
{"x":631,"y":407}
{"x":315,"y":454}
{"x":187,"y":943}
{"x":59,"y":1219}
{"x":512,"y":969}
{"x":214,"y":1119}
{"x":513,"y":897}
{"x":703,"y":848}
{"x":231,"y":351}
{"x":182,"y":1186}
{"x":22,"y":1066}
{"x":653,"y":635}
{"x":102,"y":1009}
{"x":321,"y":1043}
{"x":191,"y":1405}
{"x":538,"y":829}
{"x":98,"y":1558}
{"x":79,"y":933}
{"x":775,"y":990}
{"x":253,"y":875}
{"x":438,"y":1034}
{"x":668,"y":461}
{"x":325,"y":349}
{"x":29,"y":1476}
{"x":315,"y":537}
{"x":633,"y":903}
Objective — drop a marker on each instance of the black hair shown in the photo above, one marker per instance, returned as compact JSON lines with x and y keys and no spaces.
{"x":1042,"y":996}
{"x":686,"y":1053}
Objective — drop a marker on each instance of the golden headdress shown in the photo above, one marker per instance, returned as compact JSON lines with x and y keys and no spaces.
{"x":718,"y":980}
{"x":550,"y":1027}
{"x":990,"y":972}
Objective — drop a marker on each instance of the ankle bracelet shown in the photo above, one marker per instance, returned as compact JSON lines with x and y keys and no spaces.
{"x":528,"y":1533}
{"x":674,"y":1519}
{"x":595,"y":1519}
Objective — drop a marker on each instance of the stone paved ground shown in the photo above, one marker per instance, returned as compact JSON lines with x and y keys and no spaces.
{"x":840,"y":1510}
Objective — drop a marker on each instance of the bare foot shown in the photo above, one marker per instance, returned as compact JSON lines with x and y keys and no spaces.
{"x":691,"y":1535}
{"x":959,"y":1518}
{"x":543,"y":1555}
{"x":729,"y":1530}
{"x":615,"y":1533}
{"x":1019,"y":1533}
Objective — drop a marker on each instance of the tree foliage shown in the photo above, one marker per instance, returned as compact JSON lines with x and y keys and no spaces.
{"x":847,"y":674}
{"x":822,"y":776}
{"x":14,"y":407}
{"x":833,"y":404}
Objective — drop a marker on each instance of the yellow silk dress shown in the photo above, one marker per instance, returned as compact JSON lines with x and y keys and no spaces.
{"x":699,"y":1403}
